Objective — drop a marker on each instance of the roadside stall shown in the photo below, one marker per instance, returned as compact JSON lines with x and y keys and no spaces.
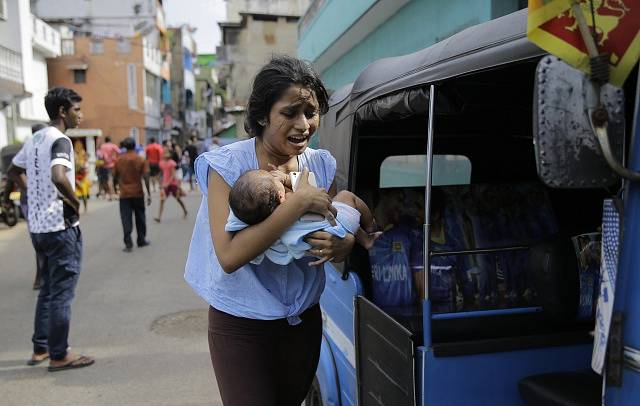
{"x":85,"y":148}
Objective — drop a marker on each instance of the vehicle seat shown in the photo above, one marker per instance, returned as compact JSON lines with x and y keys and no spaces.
{"x":553,"y":274}
{"x":562,"y":389}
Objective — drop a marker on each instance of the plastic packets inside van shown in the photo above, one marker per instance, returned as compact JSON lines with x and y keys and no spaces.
{"x":588,"y":249}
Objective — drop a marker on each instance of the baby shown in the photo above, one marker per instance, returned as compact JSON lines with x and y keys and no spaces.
{"x":257,"y":193}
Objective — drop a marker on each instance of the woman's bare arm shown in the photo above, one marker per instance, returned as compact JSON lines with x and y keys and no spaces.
{"x":236,"y":249}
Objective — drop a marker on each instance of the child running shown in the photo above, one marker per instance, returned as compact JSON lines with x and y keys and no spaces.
{"x":257,"y":193}
{"x":169,"y":184}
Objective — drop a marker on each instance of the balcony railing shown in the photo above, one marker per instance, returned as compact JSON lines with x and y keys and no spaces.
{"x":44,"y":38}
{"x":152,"y":59}
{"x":10,"y":65}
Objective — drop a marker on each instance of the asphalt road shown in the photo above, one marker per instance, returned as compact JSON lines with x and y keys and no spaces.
{"x":133,"y":312}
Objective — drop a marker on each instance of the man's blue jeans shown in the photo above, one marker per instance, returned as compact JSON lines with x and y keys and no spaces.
{"x":62,"y":253}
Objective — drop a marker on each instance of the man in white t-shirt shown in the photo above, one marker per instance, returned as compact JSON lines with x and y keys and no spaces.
{"x":47,"y":159}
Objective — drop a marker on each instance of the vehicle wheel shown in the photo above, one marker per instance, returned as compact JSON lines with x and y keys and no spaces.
{"x":314,"y":398}
{"x":10,"y":216}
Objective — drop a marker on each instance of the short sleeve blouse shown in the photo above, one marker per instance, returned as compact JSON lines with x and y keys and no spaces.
{"x":266,"y":291}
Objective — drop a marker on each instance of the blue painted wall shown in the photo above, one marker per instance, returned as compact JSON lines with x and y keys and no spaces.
{"x":335,"y":17}
{"x":417,"y":25}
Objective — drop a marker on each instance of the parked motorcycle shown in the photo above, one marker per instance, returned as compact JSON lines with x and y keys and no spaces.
{"x":9,"y":210}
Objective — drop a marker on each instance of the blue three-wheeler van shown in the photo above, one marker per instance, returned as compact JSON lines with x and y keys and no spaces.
{"x":481,"y":142}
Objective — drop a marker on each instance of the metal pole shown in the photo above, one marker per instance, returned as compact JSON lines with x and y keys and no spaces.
{"x":589,"y":42}
{"x":14,"y":122}
{"x":427,"y":192}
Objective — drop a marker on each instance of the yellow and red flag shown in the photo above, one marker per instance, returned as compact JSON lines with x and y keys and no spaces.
{"x":553,"y":27}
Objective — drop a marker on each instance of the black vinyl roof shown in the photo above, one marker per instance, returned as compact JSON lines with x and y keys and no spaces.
{"x":493,"y":43}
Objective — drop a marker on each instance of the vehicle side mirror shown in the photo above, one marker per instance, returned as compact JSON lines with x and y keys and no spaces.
{"x":568,"y":154}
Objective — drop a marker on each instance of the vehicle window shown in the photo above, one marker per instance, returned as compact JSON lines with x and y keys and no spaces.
{"x":410,"y":171}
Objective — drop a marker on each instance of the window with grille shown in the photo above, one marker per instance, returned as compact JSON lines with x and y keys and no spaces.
{"x":68,"y":47}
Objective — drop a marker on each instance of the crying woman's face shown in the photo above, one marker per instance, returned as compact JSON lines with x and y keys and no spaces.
{"x":293,"y":119}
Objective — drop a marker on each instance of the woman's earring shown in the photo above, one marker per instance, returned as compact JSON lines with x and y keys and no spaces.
{"x":262,"y":123}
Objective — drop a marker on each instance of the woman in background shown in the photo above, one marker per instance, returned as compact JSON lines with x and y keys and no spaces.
{"x":83,"y":184}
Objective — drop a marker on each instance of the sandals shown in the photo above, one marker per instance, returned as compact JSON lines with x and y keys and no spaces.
{"x":80,"y":362}
{"x":35,"y":360}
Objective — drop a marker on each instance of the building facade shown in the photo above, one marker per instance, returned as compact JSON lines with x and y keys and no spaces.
{"x":255,"y":30}
{"x":112,"y":81}
{"x":100,"y":18}
{"x":208,"y":99}
{"x":116,"y":55}
{"x":25,"y":44}
{"x":183,"y":83}
{"x":342,"y":38}
{"x":273,"y":7}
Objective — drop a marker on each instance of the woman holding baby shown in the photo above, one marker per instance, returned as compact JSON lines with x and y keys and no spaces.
{"x":265,"y":325}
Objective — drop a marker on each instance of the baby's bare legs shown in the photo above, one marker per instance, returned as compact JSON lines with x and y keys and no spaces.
{"x":366,"y":234}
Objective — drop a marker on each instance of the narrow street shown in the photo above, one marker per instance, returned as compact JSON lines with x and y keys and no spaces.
{"x":133,"y":312}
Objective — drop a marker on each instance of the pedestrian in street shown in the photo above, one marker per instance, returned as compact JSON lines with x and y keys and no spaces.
{"x":170,"y":185}
{"x":109,"y":153}
{"x":130,"y":171}
{"x":24,"y":206}
{"x":24,"y":209}
{"x":185,"y":165}
{"x":176,"y":152}
{"x":47,"y":158}
{"x":191,"y":153}
{"x":83,"y":184}
{"x":103,"y":176}
{"x":154,"y":153}
{"x":265,"y":325}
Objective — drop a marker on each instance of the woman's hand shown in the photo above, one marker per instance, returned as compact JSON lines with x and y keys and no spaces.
{"x":328,"y":247}
{"x":314,"y":199}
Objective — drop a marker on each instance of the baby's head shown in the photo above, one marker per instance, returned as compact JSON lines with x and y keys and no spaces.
{"x":255,"y":195}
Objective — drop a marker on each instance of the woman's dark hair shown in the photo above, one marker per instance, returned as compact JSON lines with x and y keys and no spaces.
{"x":272,"y":81}
{"x":60,"y":96}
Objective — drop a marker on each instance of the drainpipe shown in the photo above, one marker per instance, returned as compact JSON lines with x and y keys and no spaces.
{"x":12,"y":136}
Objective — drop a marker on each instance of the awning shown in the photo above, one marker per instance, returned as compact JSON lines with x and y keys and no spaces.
{"x":78,"y":66}
{"x":84,"y":132}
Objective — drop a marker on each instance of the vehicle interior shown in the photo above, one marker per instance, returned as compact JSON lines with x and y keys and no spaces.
{"x":508,"y":295}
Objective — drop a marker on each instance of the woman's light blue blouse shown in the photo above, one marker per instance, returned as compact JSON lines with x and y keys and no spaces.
{"x":265,"y":291}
